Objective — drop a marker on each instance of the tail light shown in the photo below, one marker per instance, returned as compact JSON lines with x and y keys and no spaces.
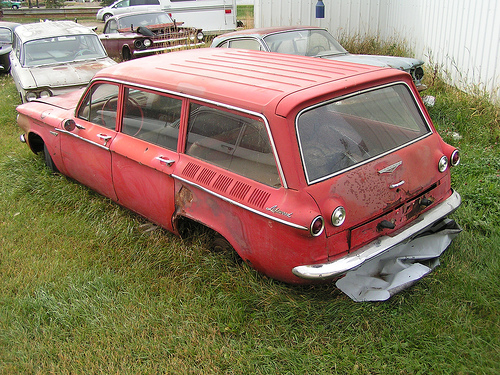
{"x":455,"y":158}
{"x":317,"y":226}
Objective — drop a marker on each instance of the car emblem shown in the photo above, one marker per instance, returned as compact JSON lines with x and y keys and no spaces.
{"x":390,"y":168}
{"x":275,"y":209}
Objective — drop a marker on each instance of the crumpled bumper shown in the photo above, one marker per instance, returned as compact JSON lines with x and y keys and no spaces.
{"x":388,"y":265}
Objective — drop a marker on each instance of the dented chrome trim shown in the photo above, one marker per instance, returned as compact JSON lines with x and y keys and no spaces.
{"x":293,"y":225}
{"x":81,"y":138}
{"x":380,"y":246}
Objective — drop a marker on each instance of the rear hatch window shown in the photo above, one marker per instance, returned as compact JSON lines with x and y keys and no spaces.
{"x":339,"y":135}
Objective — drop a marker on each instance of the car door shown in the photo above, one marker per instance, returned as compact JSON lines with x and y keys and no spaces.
{"x":111,"y":38}
{"x":144,"y":154}
{"x":85,"y":146}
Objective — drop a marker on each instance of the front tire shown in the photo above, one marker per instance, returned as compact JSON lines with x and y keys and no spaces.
{"x":48,"y":159}
{"x":126,"y":55}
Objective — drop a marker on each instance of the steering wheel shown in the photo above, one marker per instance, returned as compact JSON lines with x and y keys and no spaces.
{"x":129,"y":100}
{"x":104,"y":108}
{"x":83,"y":52}
{"x":141,"y":113}
{"x":316,"y":49}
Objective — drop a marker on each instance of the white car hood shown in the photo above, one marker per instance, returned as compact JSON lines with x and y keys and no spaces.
{"x":403,"y":63}
{"x":71,"y":74}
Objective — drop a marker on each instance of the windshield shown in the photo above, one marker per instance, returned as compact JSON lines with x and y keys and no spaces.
{"x":62,"y":49}
{"x":144,"y":19}
{"x":338,"y":135}
{"x":305,"y":43}
{"x":5,"y":35}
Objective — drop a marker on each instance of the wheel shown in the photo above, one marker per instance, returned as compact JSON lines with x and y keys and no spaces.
{"x":15,"y":7}
{"x":48,"y":159}
{"x":126,"y":55}
{"x":220,"y":244}
{"x":106,"y":17}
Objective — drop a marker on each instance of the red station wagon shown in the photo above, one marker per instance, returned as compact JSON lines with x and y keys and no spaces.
{"x":310,"y":169}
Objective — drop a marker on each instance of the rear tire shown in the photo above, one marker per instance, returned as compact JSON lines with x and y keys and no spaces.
{"x":220,"y":244}
{"x":48,"y":159}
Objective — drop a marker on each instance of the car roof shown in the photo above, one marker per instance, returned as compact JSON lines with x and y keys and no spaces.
{"x":47,"y":29}
{"x":10,"y":25}
{"x":262,"y":32}
{"x":244,"y":78}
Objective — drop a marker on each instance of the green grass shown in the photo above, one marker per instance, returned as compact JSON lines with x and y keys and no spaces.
{"x":85,"y":291}
{"x":373,"y":45}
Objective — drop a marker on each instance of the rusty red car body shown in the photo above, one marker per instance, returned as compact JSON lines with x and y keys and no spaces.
{"x":138,"y":34}
{"x":235,"y":148}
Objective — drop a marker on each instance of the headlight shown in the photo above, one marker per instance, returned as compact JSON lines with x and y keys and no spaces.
{"x":45,"y":94}
{"x":443,"y":164}
{"x":200,"y":36}
{"x":147,"y":43}
{"x":30,"y":96}
{"x":338,"y":216}
{"x":138,"y":44}
{"x":418,"y":73}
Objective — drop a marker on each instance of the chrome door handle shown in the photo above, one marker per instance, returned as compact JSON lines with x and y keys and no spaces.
{"x":392,"y":186}
{"x":104,"y":138}
{"x":168,"y":162}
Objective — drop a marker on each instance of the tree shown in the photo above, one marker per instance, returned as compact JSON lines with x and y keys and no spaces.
{"x":54,"y":3}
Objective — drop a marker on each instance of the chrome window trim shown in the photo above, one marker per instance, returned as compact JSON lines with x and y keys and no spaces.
{"x":260,"y":42}
{"x":191,"y":97}
{"x":309,"y":182}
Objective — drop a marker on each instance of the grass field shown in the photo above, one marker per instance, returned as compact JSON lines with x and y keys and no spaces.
{"x":83,"y":290}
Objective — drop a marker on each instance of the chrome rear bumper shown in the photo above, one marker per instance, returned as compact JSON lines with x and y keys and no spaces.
{"x":382,"y":245}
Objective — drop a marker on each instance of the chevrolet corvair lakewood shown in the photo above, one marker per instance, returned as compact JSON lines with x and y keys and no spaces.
{"x":310,"y":169}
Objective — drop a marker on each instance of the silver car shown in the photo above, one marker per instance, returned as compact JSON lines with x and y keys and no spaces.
{"x":55,"y":57}
{"x":316,"y":42}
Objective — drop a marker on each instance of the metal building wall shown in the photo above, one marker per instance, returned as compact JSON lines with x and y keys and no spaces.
{"x":459,"y":36}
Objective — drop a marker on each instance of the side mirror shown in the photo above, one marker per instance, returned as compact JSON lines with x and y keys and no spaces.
{"x":69,"y":125}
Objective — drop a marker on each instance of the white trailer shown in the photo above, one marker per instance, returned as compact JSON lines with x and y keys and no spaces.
{"x":213,"y":16}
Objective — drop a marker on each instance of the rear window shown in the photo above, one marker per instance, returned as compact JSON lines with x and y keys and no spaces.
{"x":338,"y":135}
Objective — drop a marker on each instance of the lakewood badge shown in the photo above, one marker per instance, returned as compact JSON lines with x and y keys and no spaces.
{"x":391,"y":168}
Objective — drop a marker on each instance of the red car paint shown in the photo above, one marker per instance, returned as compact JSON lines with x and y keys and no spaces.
{"x":264,"y":212}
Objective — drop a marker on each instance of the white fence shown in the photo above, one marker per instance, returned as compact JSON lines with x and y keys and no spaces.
{"x":460,"y":36}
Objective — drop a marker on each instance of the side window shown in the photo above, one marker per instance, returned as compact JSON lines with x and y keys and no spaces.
{"x":245,"y":44}
{"x":100,"y":104}
{"x":122,"y":4}
{"x":111,"y":27}
{"x":232,"y":141}
{"x":152,"y":117}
